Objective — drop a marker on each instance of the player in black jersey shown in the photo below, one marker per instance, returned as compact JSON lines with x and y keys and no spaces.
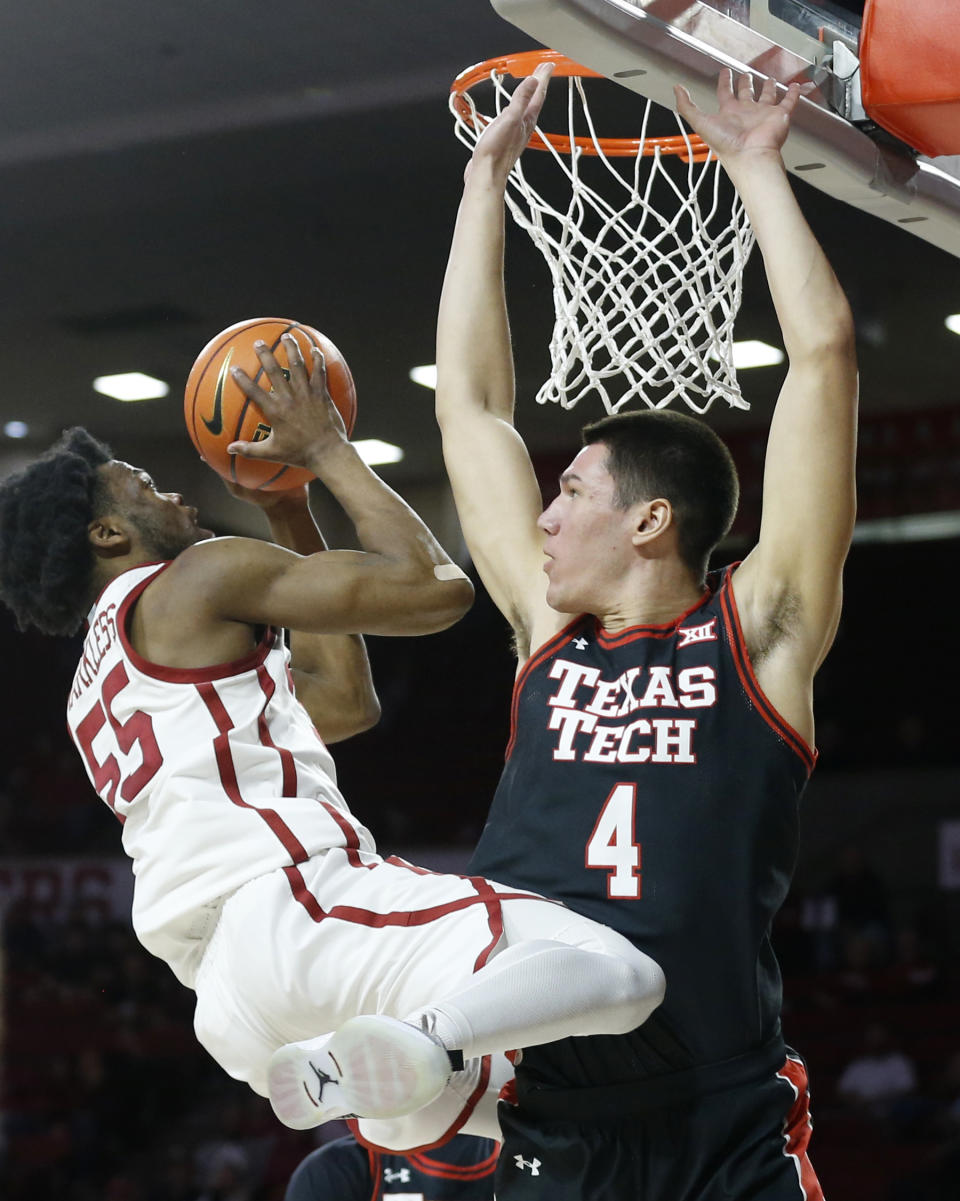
{"x":344,"y":1170}
{"x":662,"y":723}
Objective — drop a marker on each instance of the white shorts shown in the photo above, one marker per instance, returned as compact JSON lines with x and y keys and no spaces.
{"x":298,"y":951}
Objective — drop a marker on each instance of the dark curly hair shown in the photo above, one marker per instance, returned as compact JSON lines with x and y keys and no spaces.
{"x":658,"y":452}
{"x":45,"y":559}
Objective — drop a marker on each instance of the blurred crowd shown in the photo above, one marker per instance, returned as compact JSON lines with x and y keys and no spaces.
{"x":872,"y":1000}
{"x":107,"y":1096}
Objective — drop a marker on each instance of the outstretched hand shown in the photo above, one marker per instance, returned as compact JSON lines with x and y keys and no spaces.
{"x":743,"y":124}
{"x":503,"y":140}
{"x":303,"y":419}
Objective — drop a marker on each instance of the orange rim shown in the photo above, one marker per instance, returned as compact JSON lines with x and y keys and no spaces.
{"x":519,"y":66}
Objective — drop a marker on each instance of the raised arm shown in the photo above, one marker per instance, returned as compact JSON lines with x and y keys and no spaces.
{"x":331,"y":672}
{"x":496,"y":492}
{"x":401,"y":582}
{"x":788,"y":589}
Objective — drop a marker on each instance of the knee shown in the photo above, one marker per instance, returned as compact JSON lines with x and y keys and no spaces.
{"x":654,"y":985}
{"x":639,"y":989}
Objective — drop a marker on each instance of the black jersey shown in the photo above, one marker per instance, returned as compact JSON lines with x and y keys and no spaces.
{"x":461,"y":1170}
{"x":651,"y":786}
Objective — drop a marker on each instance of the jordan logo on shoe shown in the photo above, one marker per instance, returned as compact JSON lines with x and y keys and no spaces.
{"x":323,"y":1079}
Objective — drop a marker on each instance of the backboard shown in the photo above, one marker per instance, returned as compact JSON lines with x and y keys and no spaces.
{"x":649,"y":45}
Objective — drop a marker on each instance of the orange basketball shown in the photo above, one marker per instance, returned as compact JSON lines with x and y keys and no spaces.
{"x":217,"y":412}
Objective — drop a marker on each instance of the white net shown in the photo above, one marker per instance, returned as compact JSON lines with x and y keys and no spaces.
{"x":646,"y":284}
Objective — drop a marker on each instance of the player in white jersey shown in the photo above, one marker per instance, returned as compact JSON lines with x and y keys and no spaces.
{"x":330,"y":979}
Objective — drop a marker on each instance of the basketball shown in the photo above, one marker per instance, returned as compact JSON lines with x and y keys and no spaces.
{"x":218,"y":412}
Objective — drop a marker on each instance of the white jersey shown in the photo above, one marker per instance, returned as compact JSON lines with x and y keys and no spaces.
{"x":216,"y":773}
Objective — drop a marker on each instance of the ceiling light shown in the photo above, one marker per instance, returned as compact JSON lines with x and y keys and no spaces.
{"x":756,"y":354}
{"x":915,"y":527}
{"x":16,"y":429}
{"x":953,"y":323}
{"x":374,"y":452}
{"x":426,"y":375}
{"x":131,"y":385}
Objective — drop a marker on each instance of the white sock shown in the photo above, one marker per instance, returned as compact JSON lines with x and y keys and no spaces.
{"x":542,"y":990}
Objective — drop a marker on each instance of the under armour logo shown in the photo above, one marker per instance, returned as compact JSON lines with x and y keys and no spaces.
{"x":532,"y":1164}
{"x":581,"y":644}
{"x":396,"y":1175}
{"x":704,"y":633}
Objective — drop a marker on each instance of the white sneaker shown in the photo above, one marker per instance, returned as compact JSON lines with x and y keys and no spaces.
{"x":372,"y":1067}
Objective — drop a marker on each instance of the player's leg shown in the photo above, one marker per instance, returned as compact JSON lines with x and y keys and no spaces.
{"x":532,"y":931}
{"x":300,"y":953}
{"x":553,"y":975}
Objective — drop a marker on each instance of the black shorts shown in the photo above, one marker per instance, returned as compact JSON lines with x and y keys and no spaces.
{"x":747,"y":1142}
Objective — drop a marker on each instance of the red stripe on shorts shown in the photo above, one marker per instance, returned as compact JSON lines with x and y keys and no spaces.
{"x":797,"y":1128}
{"x":494,"y":917}
{"x":401,"y":917}
{"x":454,"y":1171}
{"x":373,"y":1159}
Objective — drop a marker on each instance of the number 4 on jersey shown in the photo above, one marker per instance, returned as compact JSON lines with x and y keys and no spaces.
{"x":611,"y":846}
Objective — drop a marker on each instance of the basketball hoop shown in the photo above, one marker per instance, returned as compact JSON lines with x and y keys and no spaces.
{"x":646,"y":284}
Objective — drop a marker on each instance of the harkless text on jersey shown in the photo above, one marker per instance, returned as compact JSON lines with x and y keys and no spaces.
{"x":100,"y":637}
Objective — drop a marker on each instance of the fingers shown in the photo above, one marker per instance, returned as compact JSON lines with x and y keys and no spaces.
{"x":527,"y":100}
{"x":318,"y":370}
{"x":269,"y":402}
{"x":271,"y":367}
{"x":252,"y":389}
{"x":318,"y":387}
{"x":296,"y":372}
{"x":745,"y":90}
{"x":537,"y":82}
{"x":542,"y":76}
{"x":280,"y":379}
{"x":524,"y":92}
{"x":532,"y":113}
{"x":794,"y":92}
{"x":298,"y":407}
{"x":685,"y":103}
{"x":528,"y":95}
{"x":295,"y":361}
{"x":252,"y":450}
